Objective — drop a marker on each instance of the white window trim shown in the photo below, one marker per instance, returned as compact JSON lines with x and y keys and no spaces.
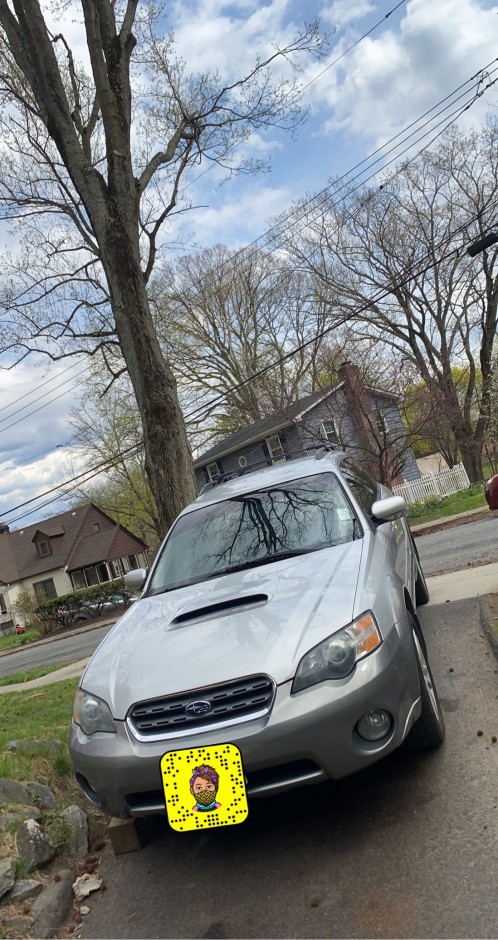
{"x":325,"y":433}
{"x":213,"y":476}
{"x":280,"y":458}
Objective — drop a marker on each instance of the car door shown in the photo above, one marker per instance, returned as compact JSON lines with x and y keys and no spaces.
{"x":390,"y":547}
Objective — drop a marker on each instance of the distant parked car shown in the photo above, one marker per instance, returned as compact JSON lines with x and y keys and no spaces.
{"x":114,"y":602}
{"x":491,"y":492}
{"x":20,"y":628}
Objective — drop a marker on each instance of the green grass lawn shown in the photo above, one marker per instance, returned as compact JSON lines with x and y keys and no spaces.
{"x":28,"y":674}
{"x":436,"y":507}
{"x":38,"y":714}
{"x":13,"y":640}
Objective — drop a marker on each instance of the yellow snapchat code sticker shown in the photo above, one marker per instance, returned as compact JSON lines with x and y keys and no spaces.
{"x":204,"y":787}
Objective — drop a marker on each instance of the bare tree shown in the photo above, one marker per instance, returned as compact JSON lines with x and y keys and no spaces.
{"x":434,"y":314}
{"x":226,"y":315}
{"x":109,"y":429}
{"x":91,"y":170}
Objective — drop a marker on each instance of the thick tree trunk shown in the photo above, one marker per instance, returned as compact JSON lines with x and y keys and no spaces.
{"x":168,"y":458}
{"x":471,"y":454}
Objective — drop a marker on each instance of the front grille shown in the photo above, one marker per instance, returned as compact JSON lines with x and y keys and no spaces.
{"x":229,"y":702}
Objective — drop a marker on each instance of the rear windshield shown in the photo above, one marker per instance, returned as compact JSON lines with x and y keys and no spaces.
{"x":255,"y":528}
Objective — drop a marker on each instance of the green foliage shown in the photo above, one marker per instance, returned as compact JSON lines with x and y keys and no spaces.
{"x":438,"y":507}
{"x":75,"y":601}
{"x":37,"y":714}
{"x":57,"y":829}
{"x":28,"y":674}
{"x":13,"y":640}
{"x":24,"y":608}
{"x":62,"y":764}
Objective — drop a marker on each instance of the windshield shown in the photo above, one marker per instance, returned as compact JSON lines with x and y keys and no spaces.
{"x":255,"y":528}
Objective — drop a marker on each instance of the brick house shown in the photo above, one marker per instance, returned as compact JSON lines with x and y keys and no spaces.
{"x":76,"y":549}
{"x":358,"y":418}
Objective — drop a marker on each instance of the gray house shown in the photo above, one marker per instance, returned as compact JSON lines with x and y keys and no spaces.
{"x":351,"y":415}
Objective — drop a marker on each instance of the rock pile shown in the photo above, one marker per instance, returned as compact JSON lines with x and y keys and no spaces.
{"x":33,"y":898}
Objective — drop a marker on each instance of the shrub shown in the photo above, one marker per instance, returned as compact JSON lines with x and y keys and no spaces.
{"x":25,"y":608}
{"x":62,"y":610}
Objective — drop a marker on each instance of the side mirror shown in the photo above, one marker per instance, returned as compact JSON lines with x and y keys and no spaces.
{"x":135,"y":579}
{"x":388,"y":509}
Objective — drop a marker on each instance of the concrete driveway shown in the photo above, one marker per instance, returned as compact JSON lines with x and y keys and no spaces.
{"x":407,"y":849}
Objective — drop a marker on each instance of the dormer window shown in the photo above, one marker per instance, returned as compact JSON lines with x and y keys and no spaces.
{"x":44,"y":548}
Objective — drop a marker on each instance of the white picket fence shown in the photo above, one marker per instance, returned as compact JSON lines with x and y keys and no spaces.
{"x":434,"y":484}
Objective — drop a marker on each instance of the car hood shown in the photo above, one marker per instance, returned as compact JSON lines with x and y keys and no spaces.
{"x":261,"y":620}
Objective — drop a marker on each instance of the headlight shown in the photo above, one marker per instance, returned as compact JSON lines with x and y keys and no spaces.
{"x":92,"y":713}
{"x":335,"y":657}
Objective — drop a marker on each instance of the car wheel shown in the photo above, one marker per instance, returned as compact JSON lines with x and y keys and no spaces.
{"x":428,"y":732}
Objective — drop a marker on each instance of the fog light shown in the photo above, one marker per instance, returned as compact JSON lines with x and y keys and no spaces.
{"x":375,"y":725}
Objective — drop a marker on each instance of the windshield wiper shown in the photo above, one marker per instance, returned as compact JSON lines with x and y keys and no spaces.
{"x":266,"y":560}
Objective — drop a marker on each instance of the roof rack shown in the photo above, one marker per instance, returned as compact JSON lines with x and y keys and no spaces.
{"x":319,"y":449}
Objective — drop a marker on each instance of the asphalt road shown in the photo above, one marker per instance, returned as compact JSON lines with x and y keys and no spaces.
{"x":66,"y":649}
{"x":460,"y":547}
{"x":405,"y":849}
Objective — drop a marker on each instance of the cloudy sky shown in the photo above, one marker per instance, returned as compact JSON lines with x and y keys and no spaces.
{"x":417,"y":56}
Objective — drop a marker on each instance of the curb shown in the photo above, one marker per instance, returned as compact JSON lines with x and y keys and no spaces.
{"x":487,"y":626}
{"x":462,"y":518}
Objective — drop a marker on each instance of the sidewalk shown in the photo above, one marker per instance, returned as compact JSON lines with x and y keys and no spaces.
{"x":458,"y":585}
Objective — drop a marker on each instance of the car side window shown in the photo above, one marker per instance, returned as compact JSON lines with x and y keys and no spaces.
{"x":363,"y":487}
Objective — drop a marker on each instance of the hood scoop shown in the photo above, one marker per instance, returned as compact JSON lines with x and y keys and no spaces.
{"x":229,"y":606}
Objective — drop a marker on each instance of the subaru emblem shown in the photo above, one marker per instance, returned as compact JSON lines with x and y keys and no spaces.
{"x":198,"y":708}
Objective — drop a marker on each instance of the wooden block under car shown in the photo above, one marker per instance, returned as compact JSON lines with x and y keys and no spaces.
{"x":124,"y":836}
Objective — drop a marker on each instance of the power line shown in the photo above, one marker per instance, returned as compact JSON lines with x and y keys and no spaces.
{"x":94,"y":471}
{"x":37,"y":387}
{"x":294,"y":96}
{"x":35,"y":410}
{"x":322,"y":195}
{"x":320,"y":198}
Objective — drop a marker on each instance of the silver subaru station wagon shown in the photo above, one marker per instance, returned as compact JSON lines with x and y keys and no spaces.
{"x":279,"y":616}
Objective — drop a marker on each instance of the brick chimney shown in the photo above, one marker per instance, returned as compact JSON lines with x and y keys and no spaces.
{"x":359,"y":404}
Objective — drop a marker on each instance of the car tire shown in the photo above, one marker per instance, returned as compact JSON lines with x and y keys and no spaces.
{"x":428,"y":732}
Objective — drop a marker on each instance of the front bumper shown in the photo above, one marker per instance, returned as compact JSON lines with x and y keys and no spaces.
{"x":306,"y":738}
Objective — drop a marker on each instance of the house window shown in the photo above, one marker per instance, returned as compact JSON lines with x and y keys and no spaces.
{"x":213,"y":471}
{"x":381,"y":423}
{"x":91,"y":576}
{"x":78,"y":580}
{"x":116,"y":569}
{"x":329,"y":432}
{"x":274,"y":445}
{"x":44,"y":549}
{"x":103,"y":572}
{"x":3,"y":605}
{"x":96,"y":527}
{"x":44,"y":590}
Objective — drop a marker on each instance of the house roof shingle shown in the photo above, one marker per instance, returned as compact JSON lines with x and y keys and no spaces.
{"x":19,"y":558}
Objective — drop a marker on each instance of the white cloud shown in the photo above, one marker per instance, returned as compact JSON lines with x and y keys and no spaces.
{"x":239,"y":218}
{"x":34,"y":408}
{"x":343,"y":12}
{"x":393,"y":77}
